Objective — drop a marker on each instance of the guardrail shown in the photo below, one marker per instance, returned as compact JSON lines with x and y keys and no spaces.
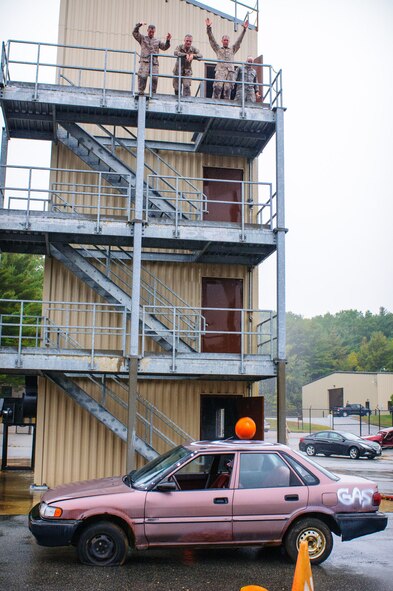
{"x":87,"y":194}
{"x":95,"y":327}
{"x":249,"y":332}
{"x":98,"y":68}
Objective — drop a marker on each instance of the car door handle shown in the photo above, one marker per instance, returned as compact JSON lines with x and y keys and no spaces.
{"x":291,"y":497}
{"x":221,"y":501}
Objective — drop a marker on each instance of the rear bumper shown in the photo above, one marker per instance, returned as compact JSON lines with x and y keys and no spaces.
{"x":51,"y":532}
{"x":354,"y":525}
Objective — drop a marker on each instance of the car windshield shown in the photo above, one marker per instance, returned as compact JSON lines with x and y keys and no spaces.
{"x":350,"y":436}
{"x":143,"y":477}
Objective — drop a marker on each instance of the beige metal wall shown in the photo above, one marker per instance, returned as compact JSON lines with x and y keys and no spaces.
{"x":358,"y":388}
{"x":71,"y":444}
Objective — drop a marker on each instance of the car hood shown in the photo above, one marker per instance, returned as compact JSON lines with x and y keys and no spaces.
{"x":372,"y":444}
{"x":86,"y":488}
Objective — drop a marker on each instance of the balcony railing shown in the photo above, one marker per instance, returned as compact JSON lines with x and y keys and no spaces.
{"x":107,"y":69}
{"x":97,"y":329}
{"x":88,"y":195}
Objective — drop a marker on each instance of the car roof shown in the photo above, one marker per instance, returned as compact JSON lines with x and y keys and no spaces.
{"x":230,"y":445}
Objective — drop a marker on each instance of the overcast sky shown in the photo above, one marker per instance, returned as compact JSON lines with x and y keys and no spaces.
{"x":336,"y":57}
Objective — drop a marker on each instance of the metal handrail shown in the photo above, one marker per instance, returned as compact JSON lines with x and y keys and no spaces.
{"x":147,"y":414}
{"x":271,"y":90}
{"x":98,"y":200}
{"x":257,"y":333}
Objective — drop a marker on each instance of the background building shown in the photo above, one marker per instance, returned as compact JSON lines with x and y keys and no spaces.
{"x":153,"y":228}
{"x":336,"y":389}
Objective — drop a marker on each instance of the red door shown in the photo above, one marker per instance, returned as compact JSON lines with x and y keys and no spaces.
{"x":216,"y":192}
{"x":223,"y":326}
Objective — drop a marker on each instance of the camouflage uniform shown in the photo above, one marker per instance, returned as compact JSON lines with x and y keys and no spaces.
{"x":250,"y":77}
{"x":148,"y":47}
{"x":224,"y":71}
{"x":186,"y":69}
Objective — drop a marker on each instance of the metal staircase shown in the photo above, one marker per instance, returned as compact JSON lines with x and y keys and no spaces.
{"x":105,"y":284}
{"x":99,"y":158}
{"x":152,"y":424}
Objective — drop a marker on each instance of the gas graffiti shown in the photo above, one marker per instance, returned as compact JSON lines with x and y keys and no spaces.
{"x":350,"y":497}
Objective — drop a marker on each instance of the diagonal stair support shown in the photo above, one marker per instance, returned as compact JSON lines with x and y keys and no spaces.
{"x":113,"y":294}
{"x":79,"y":396}
{"x":99,"y":158}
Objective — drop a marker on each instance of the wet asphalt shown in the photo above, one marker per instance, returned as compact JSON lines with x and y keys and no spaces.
{"x":362,"y":564}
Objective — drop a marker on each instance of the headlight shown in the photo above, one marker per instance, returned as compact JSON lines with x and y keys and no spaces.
{"x":50,"y":511}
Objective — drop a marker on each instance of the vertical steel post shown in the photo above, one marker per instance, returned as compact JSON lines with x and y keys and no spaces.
{"x":136,"y":285}
{"x":3,"y":163}
{"x":280,"y":234}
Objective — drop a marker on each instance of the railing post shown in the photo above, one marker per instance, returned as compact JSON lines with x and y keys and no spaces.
{"x":3,"y":163}
{"x":35,"y":95}
{"x":19,"y":357}
{"x":93,"y":334}
{"x":27,"y":222}
{"x":242,"y":233}
{"x":98,"y":226}
{"x":103,"y":102}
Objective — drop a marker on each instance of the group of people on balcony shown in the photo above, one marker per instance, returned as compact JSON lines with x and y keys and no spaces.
{"x":226,"y":74}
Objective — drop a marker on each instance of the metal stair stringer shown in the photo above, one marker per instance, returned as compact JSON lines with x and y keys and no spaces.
{"x":100,"y":159}
{"x":113,"y":294}
{"x":79,"y":396}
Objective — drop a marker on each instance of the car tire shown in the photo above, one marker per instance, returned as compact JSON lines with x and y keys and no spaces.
{"x":102,"y":544}
{"x":310,"y":450}
{"x":353,"y":453}
{"x":344,"y":414}
{"x":316,"y":533}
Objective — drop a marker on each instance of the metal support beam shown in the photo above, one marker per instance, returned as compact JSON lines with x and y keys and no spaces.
{"x":136,"y":284}
{"x":3,"y":163}
{"x":281,"y":327}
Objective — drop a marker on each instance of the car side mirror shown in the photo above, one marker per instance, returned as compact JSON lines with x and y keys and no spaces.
{"x":167,"y":486}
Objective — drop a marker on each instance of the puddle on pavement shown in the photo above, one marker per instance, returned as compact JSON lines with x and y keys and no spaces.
{"x":15,"y":495}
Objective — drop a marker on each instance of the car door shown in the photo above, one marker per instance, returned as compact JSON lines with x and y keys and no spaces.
{"x":339,"y":445}
{"x":267,"y":493}
{"x":321,"y":442}
{"x":200,"y":511}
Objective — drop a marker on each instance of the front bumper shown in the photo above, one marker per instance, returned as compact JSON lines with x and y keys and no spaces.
{"x":354,"y":525}
{"x":51,"y":532}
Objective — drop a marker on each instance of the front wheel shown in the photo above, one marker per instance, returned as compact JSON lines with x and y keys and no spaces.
{"x":353,"y":453}
{"x":345,"y":414}
{"x":102,"y":544}
{"x":317,"y":535}
{"x":310,"y":450}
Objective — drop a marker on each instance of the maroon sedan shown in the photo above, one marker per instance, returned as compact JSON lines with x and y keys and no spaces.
{"x":210,"y":493}
{"x":384,"y":437}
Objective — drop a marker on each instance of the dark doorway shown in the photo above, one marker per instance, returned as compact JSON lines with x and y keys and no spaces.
{"x":223,"y":326}
{"x":336,"y":397}
{"x":219,"y":415}
{"x":219,"y":191}
{"x":210,"y":75}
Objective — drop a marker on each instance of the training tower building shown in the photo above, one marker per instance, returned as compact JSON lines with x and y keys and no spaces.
{"x":153,"y":221}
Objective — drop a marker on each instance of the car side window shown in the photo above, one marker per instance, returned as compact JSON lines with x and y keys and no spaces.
{"x":205,"y":471}
{"x":335,"y":437}
{"x":306,"y":476}
{"x":321,"y":435}
{"x":263,"y":470}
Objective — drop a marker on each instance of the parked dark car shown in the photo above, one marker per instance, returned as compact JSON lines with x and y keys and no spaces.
{"x":351,"y":409}
{"x":210,"y":493}
{"x":384,"y":437}
{"x":338,"y":443}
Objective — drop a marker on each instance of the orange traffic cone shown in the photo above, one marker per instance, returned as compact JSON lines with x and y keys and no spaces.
{"x":253,"y":588}
{"x":302,"y":581}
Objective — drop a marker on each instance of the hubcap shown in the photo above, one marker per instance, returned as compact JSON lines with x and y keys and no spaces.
{"x":316,"y":542}
{"x":101,"y":547}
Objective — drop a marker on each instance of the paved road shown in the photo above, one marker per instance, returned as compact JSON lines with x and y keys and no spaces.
{"x":365,"y":563}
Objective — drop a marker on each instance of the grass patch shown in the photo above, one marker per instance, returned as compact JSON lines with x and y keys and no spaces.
{"x":383,"y":420}
{"x":298,"y":426}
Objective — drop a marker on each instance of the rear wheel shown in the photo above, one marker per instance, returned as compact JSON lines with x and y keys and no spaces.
{"x":310,"y":450}
{"x":353,"y":453}
{"x":317,"y":535}
{"x":103,"y":544}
